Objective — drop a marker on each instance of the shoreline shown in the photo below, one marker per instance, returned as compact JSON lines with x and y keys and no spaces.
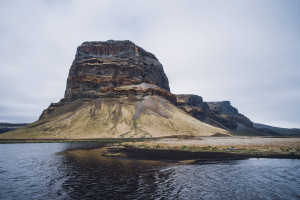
{"x":180,"y":137}
{"x":196,"y":149}
{"x":219,"y":148}
{"x":186,"y":157}
{"x":171,"y":155}
{"x":113,"y":140}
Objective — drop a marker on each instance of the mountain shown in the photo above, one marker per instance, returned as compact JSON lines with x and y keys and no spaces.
{"x":223,"y":115}
{"x":115,"y":89}
{"x":220,"y":114}
{"x":5,"y":127}
{"x":271,"y":130}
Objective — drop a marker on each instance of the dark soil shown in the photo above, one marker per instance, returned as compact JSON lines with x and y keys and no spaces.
{"x":175,"y":155}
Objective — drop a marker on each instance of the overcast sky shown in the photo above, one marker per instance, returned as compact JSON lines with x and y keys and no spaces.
{"x":247,"y":52}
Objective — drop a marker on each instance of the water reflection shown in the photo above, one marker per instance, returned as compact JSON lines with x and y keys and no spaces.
{"x":36,"y":171}
{"x":95,"y":177}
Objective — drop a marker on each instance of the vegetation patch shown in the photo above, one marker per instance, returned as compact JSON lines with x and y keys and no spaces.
{"x":243,"y":150}
{"x":111,"y":154}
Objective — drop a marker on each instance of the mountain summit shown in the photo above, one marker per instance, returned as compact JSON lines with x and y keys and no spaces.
{"x":115,"y":89}
{"x":101,"y":65}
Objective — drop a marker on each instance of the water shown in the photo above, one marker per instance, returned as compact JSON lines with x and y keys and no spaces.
{"x":36,"y":171}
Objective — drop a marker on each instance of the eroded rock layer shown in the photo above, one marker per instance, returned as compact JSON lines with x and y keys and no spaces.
{"x":220,"y":114}
{"x":99,"y":66}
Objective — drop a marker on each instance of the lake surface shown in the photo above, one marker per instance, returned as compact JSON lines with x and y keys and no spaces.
{"x":38,"y":171}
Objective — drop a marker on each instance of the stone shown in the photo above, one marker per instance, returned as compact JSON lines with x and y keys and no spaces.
{"x":99,"y":66}
{"x":189,"y":100}
{"x":220,"y":113}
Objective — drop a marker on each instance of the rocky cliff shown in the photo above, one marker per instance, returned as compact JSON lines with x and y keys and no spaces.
{"x":100,"y":66}
{"x":226,"y":114}
{"x":114,"y":69}
{"x":115,"y":89}
{"x":220,"y":114}
{"x":223,"y":115}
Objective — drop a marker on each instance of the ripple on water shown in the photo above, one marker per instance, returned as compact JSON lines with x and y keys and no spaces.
{"x":35,"y":171}
{"x":243,"y":179}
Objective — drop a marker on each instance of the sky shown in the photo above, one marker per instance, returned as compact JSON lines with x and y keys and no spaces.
{"x":244,"y":51}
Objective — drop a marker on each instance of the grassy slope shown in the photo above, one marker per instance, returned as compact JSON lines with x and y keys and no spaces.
{"x":151,"y":116}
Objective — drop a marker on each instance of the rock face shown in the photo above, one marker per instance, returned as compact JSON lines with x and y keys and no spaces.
{"x":223,"y":115}
{"x":114,"y":69}
{"x":115,"y":89}
{"x":102,"y":66}
{"x":220,"y":114}
{"x":194,"y":105}
{"x":222,"y":107}
{"x":227,"y":115}
{"x":190,"y":100}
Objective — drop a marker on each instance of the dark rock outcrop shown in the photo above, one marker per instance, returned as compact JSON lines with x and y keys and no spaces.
{"x":220,"y":114}
{"x":226,"y":114}
{"x":193,"y":104}
{"x":223,"y":115}
{"x":222,"y":107}
{"x":99,"y":66}
{"x":190,"y":100}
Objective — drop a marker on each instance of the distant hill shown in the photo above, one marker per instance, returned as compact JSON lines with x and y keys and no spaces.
{"x":5,"y":127}
{"x":223,"y":115}
{"x":220,"y":114}
{"x":276,"y":130}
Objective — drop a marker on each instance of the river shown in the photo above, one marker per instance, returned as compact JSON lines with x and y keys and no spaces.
{"x":78,"y":171}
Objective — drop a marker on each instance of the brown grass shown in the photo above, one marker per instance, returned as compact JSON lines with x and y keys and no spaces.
{"x":232,"y":145}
